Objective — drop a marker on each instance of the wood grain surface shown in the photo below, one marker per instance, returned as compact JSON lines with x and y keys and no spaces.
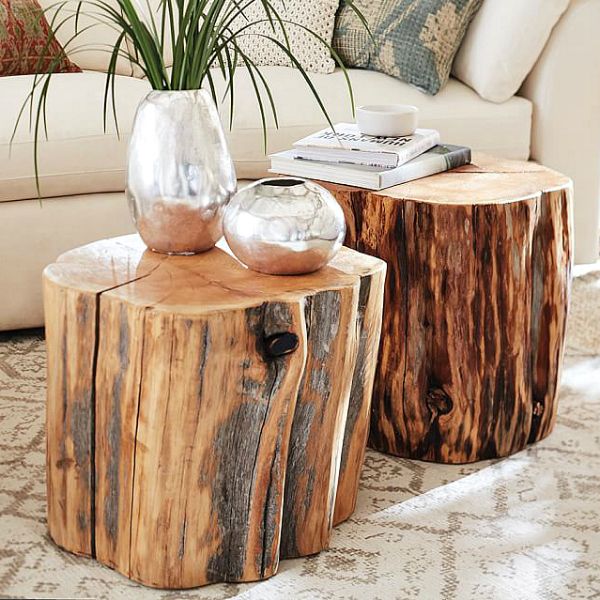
{"x":476,"y":298}
{"x":370,"y":302}
{"x":70,"y":417}
{"x":198,"y":422}
{"x":319,"y":422}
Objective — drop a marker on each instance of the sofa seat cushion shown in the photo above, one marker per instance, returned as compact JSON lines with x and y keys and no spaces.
{"x":79,"y":158}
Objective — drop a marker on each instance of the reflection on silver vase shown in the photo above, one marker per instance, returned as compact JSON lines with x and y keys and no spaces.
{"x":284,"y":226}
{"x":180,"y":175}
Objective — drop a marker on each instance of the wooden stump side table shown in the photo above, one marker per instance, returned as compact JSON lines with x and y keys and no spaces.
{"x":479,"y":271}
{"x":204,"y":420}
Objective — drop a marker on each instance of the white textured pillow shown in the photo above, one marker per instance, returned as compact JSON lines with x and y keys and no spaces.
{"x":316,"y":15}
{"x":503,"y":44}
{"x":94,"y":40}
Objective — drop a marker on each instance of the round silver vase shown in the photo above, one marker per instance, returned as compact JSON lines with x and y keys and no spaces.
{"x":180,"y":175}
{"x":284,"y":226}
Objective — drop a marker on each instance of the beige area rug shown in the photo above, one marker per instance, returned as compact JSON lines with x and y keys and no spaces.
{"x":527,"y":527}
{"x":584,"y":320}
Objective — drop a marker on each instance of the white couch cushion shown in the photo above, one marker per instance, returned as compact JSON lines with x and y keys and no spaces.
{"x":503,"y":44}
{"x":80,"y":158}
{"x":91,"y":49}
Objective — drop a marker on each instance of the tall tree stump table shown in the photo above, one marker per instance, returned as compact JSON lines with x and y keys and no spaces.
{"x":479,"y":271}
{"x":204,"y":420}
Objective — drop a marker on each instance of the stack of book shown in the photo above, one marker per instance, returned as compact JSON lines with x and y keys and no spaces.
{"x":348,"y":157}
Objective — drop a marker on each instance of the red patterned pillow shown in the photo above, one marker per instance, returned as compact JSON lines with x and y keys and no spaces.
{"x":24,"y":46}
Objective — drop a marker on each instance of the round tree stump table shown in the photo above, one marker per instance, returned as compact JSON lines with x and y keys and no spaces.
{"x":479,"y":271}
{"x":204,"y":420}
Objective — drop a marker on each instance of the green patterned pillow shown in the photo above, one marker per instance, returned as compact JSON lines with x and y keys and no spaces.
{"x":414,"y":40}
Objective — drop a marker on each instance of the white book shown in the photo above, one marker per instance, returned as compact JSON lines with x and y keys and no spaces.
{"x":437,"y":160}
{"x":348,"y":145}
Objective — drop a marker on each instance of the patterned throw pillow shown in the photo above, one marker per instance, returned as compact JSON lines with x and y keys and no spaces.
{"x":24,"y":47}
{"x":414,"y":40}
{"x":316,"y":15}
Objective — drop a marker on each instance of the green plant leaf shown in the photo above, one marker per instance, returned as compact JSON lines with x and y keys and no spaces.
{"x":202,"y":35}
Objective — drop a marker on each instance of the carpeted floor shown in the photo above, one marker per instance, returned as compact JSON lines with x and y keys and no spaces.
{"x":527,"y":527}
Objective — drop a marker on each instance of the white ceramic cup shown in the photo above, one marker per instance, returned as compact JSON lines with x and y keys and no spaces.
{"x":387,"y":120}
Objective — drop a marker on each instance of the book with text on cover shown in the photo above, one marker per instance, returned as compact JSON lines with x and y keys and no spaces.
{"x":436,"y":160}
{"x":348,"y":145}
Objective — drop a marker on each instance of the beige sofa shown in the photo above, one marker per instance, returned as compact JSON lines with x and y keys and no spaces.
{"x":555,"y":119}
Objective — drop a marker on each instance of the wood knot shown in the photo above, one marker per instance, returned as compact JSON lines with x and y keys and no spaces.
{"x":280,"y":344}
{"x":439,"y":402}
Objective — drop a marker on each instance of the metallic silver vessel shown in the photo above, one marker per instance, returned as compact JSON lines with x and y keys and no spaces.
{"x":284,"y":226}
{"x":180,"y":175}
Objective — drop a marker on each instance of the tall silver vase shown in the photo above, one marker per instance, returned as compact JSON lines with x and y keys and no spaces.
{"x":180,"y":175}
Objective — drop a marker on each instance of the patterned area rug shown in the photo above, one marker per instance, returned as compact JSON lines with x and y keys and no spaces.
{"x":527,"y":527}
{"x":584,"y":320}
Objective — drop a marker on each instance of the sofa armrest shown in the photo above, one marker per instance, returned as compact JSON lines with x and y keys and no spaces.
{"x":564,"y":87}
